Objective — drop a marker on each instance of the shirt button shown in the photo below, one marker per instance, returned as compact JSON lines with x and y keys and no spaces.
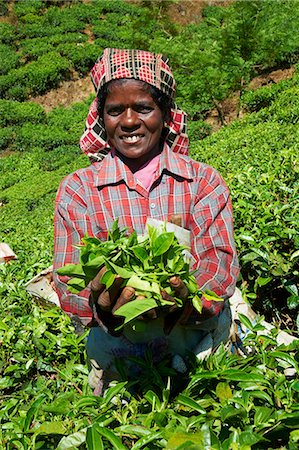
{"x":153,"y":205}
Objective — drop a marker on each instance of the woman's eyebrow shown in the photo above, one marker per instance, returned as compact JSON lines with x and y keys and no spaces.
{"x":113,"y":105}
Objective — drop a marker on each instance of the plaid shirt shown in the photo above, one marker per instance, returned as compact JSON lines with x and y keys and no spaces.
{"x":89,"y":200}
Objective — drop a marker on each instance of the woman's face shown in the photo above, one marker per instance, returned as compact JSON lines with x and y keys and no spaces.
{"x":133,"y":122}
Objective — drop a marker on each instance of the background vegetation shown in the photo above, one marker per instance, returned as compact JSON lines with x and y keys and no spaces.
{"x":227,"y":403}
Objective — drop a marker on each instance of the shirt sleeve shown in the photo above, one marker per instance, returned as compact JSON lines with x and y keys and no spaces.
{"x":71,"y":223}
{"x":212,"y":235}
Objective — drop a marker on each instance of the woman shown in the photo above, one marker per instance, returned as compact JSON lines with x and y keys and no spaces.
{"x":138,"y":137}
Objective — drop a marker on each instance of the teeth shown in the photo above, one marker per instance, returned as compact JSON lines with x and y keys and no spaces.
{"x":131,"y":138}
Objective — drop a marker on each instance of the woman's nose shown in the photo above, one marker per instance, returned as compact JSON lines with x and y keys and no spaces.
{"x":130,"y":120}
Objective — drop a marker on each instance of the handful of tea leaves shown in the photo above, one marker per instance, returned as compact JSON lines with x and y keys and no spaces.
{"x":145,"y":263}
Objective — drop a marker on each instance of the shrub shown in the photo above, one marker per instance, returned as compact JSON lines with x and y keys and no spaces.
{"x":26,"y":7}
{"x":9,"y":59}
{"x":7,"y":136}
{"x":15,"y":113}
{"x":44,"y":136}
{"x":260,"y":163}
{"x":34,"y":78}
{"x":198,"y":130}
{"x":3,"y":8}
{"x":82,"y":56}
{"x":255,"y":100}
{"x":55,"y":21}
{"x":8,"y":33}
{"x":62,"y":155}
{"x":70,"y":119}
{"x":32,"y":48}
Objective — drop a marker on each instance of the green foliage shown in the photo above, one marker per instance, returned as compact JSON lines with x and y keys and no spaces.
{"x":7,"y":33}
{"x":15,"y":113}
{"x":9,"y":59}
{"x":34,"y":78}
{"x":258,"y":157}
{"x":23,"y":8}
{"x":81,"y":56}
{"x":46,"y":403}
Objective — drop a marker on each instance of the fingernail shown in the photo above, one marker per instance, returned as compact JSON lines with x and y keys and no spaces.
{"x":129,"y":292}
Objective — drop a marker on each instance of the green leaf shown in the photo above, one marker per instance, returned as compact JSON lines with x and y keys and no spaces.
{"x":210,"y":295}
{"x":289,"y":359}
{"x":108,"y":279}
{"x":141,"y":253}
{"x":134,"y":430}
{"x":72,"y":441}
{"x":229,"y":411}
{"x":135,"y":308}
{"x":238,"y":375}
{"x":56,"y":427}
{"x":95,"y":263}
{"x":147,"y":439}
{"x":139,"y":284}
{"x":32,"y":411}
{"x":293,"y":301}
{"x":248,"y":439}
{"x":93,"y":438}
{"x":111,"y":437}
{"x":186,"y":441}
{"x":121,"y":271}
{"x":294,"y":255}
{"x":223,"y":392}
{"x":187,"y":401}
{"x":162,"y":243}
{"x":113,"y":391}
{"x":76,"y":285}
{"x":263,"y":281}
{"x":71,"y":270}
{"x":245,"y":321}
{"x":197,"y":304}
{"x":262,"y":415}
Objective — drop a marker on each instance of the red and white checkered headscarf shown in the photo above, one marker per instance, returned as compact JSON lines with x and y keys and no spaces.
{"x":139,"y":65}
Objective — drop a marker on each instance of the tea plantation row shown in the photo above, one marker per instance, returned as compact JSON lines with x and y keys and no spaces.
{"x":42,"y":43}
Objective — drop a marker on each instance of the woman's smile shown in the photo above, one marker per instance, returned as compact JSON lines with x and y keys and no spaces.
{"x":133,"y":122}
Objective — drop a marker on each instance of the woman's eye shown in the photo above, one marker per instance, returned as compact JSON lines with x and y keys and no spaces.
{"x":143,"y":109}
{"x":114,"y":111}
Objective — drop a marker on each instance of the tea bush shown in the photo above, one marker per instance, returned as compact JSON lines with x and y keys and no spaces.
{"x":16,"y":113}
{"x":34,"y":78}
{"x":265,"y":196}
{"x":7,"y":33}
{"x":9,"y":59}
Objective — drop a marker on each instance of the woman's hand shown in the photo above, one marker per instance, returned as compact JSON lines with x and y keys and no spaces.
{"x":175,"y":313}
{"x":107,"y":301}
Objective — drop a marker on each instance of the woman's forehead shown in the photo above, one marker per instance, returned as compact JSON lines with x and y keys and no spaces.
{"x":129,"y":87}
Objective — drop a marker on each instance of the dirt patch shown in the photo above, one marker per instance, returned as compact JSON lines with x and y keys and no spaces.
{"x":230,"y":107}
{"x":190,"y":11}
{"x":273,"y":77}
{"x":66,"y":94}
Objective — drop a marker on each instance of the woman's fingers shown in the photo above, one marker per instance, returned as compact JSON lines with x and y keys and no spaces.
{"x":179,"y":287}
{"x":105,"y":298}
{"x":125,"y":296}
{"x":95,"y":284}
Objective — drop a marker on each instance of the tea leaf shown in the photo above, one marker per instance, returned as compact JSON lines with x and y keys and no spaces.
{"x":135,"y":308}
{"x":162,"y":243}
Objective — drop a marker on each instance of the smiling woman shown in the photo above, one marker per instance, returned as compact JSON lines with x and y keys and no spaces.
{"x":133,"y":122}
{"x":136,"y":137}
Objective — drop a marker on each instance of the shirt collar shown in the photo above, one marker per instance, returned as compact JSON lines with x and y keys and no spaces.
{"x":112,"y":170}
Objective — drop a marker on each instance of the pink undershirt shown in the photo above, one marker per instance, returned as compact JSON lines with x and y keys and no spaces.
{"x":146,"y":174}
